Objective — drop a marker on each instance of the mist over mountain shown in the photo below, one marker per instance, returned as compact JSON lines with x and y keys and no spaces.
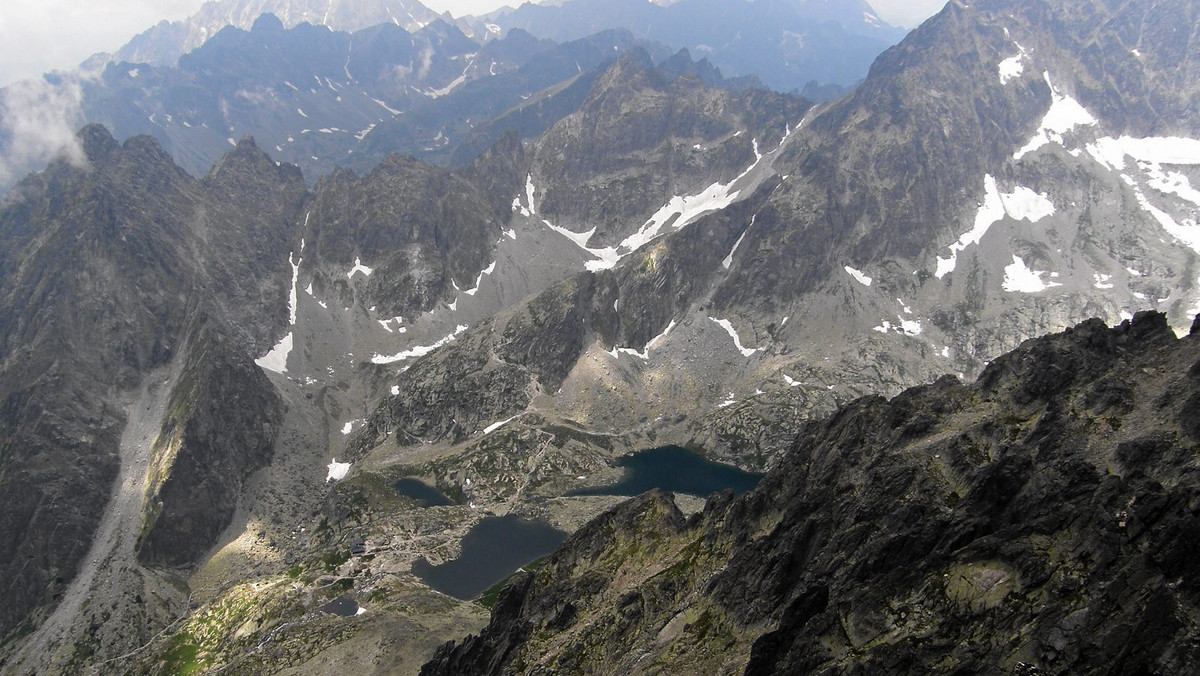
{"x":790,"y":45}
{"x":163,"y":44}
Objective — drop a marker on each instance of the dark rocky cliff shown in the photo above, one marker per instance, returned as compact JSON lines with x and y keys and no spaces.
{"x":1041,"y":520}
{"x":222,"y":421}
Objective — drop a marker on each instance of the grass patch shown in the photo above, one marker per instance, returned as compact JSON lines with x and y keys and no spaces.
{"x":181,"y":656}
{"x":335,"y":558}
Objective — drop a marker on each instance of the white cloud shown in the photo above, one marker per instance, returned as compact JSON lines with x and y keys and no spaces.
{"x":37,"y":121}
{"x":44,"y":35}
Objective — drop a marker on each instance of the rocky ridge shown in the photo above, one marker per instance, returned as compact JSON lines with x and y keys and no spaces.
{"x":757,"y":270}
{"x":375,"y":262}
{"x":1040,"y":520}
{"x":791,"y":46}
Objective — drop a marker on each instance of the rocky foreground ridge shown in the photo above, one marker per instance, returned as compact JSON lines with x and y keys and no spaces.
{"x":1044,"y":519}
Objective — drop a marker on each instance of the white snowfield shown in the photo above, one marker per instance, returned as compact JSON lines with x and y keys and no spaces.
{"x":908,"y":327}
{"x":1064,"y":115}
{"x":859,"y":276}
{"x":359,"y":267}
{"x":1011,"y":68}
{"x":1021,"y":204}
{"x":497,"y":425}
{"x":729,"y":259}
{"x":1150,"y":154}
{"x":644,"y":355}
{"x":337,"y":470}
{"x":1019,"y":277}
{"x":737,"y":340}
{"x":276,"y":359}
{"x":419,"y":350}
{"x":679,"y":212}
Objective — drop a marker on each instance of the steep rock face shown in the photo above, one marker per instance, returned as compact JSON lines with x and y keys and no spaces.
{"x":221,"y":425}
{"x":639,"y":139}
{"x":107,"y":269}
{"x":1040,"y":520}
{"x":421,"y":227}
{"x":494,"y":371}
{"x":988,"y":182}
{"x":890,"y":178}
{"x":91,"y":287}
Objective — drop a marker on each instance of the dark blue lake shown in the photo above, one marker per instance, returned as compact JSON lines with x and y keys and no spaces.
{"x":423,"y":494}
{"x":675,"y":469}
{"x":342,"y":606}
{"x":495,"y":548}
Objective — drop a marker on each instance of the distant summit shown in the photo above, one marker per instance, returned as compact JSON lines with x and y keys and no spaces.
{"x":163,"y":44}
{"x":787,"y":43}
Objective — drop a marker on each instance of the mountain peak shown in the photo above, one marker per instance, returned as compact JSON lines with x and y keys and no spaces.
{"x":267,"y":23}
{"x":97,"y":142}
{"x":247,"y":159}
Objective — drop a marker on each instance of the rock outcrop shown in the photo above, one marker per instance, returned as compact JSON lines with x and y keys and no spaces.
{"x":1040,"y":520}
{"x":221,"y":423}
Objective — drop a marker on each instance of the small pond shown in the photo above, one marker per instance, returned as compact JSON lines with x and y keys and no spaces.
{"x":494,"y":549}
{"x":675,"y":469}
{"x":423,"y":494}
{"x":342,"y":606}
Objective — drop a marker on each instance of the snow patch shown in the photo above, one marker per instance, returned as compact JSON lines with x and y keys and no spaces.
{"x":419,"y":350}
{"x":907,"y":327}
{"x":1019,"y":278}
{"x":1021,"y":204}
{"x":395,"y":390}
{"x":791,"y":383}
{"x":497,"y":425}
{"x":529,"y":191}
{"x":276,"y":359}
{"x":1111,"y":152}
{"x":1011,"y":68}
{"x":858,"y":276}
{"x":659,"y":338}
{"x":479,"y":280}
{"x":383,"y":105}
{"x":1064,"y":115}
{"x":681,"y":211}
{"x":359,"y":267}
{"x":1102,"y":281}
{"x":737,"y":340}
{"x":337,"y":470}
{"x":1187,"y":232}
{"x":729,"y":259}
{"x":607,"y":257}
